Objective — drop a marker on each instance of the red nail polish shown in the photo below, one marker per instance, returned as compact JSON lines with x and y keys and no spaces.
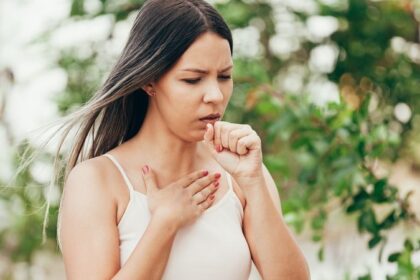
{"x":212,"y":196}
{"x":217,"y":175}
{"x":216,"y":185}
{"x":145,"y":169}
{"x":205,"y":173}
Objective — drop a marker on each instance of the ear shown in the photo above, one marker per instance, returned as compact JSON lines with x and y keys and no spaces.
{"x":149,"y":89}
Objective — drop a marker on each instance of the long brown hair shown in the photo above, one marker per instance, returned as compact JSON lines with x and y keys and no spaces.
{"x":161,"y":33}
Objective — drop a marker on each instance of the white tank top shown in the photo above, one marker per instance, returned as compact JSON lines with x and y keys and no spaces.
{"x":213,"y":247}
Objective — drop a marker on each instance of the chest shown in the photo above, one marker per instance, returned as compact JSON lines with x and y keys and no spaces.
{"x":214,"y":246}
{"x":138,"y":184}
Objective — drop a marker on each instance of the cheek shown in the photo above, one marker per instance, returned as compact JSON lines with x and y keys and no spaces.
{"x":180,"y":104}
{"x":227,"y":90}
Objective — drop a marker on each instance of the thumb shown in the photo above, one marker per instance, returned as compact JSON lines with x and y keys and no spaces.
{"x":149,"y":179}
{"x":209,"y":138}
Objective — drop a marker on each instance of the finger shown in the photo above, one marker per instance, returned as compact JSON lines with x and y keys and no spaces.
{"x":209,"y":138}
{"x":207,"y":203}
{"x":201,"y":196}
{"x":191,"y":178}
{"x":251,"y":141}
{"x":149,"y":179}
{"x":224,"y":130}
{"x":224,"y":134}
{"x":234,"y":137}
{"x":199,"y":185}
{"x":217,"y":127}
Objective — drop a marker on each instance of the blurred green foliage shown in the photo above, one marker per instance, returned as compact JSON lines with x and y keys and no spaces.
{"x":322,"y":157}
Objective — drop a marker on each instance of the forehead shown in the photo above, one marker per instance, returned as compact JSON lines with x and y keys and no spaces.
{"x":208,"y":52}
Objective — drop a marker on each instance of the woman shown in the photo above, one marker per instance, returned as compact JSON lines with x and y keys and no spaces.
{"x":168,"y":190}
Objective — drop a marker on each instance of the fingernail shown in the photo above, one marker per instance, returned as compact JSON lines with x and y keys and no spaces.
{"x":219,"y":148}
{"x":216,"y":185}
{"x":205,"y":173}
{"x":217,"y":175}
{"x":145,"y":169}
{"x":212,"y":196}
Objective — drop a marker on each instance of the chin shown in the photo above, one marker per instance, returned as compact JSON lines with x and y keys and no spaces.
{"x":196,"y":135}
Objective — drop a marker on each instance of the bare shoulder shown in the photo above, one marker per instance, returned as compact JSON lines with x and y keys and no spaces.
{"x":86,"y":191}
{"x":87,"y":221}
{"x":93,"y":168}
{"x":89,"y":177}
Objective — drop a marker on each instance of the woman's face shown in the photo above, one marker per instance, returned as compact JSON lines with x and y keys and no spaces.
{"x":199,"y":84}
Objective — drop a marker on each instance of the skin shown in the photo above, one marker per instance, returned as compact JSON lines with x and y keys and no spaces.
{"x":172,"y":128}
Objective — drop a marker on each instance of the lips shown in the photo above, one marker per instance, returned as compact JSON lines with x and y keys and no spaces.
{"x":210,"y":117}
{"x":212,"y":121}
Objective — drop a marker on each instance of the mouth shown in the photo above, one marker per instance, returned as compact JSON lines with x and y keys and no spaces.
{"x":211,"y":116}
{"x":210,"y":120}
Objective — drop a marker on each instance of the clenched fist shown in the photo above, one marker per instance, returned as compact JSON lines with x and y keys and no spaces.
{"x":236,"y":147}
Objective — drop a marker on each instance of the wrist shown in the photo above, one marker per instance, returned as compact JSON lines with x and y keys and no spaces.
{"x":166,"y":222}
{"x":250,"y":178}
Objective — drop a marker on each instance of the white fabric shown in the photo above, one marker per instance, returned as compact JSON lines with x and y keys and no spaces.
{"x":213,"y":247}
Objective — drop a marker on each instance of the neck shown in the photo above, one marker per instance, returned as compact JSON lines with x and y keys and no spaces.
{"x":168,"y":155}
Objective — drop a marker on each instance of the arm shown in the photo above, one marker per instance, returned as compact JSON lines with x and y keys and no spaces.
{"x":89,"y":233}
{"x":273,"y":248}
{"x":149,"y":259}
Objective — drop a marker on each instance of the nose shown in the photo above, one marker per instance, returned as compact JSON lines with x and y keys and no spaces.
{"x":213,"y":93}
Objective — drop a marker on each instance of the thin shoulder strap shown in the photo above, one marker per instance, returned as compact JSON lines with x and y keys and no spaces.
{"x":229,"y":179}
{"x":118,"y":165}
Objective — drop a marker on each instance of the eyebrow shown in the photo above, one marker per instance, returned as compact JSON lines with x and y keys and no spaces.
{"x":204,"y":71}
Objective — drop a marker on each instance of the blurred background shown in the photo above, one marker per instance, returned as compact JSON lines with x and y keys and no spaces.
{"x":331,"y":86}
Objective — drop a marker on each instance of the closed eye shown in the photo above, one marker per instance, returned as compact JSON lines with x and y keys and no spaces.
{"x":192,"y":81}
{"x":225,"y":77}
{"x":195,"y":81}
